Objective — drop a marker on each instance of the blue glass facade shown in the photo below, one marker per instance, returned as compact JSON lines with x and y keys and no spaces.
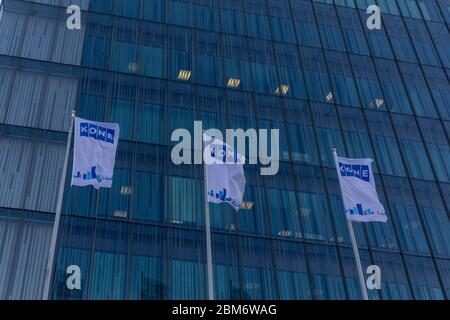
{"x":383,"y":94}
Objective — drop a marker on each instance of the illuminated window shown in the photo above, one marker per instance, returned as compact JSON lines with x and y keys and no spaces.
{"x":379,"y":102}
{"x":247,"y":205}
{"x":126,"y":191}
{"x":174,"y":221}
{"x":283,"y":89}
{"x":133,"y":67}
{"x":120,"y":214}
{"x":184,"y":75}
{"x":234,"y":83}
{"x":285,"y":233}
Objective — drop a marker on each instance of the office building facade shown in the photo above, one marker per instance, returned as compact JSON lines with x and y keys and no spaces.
{"x":311,"y":69}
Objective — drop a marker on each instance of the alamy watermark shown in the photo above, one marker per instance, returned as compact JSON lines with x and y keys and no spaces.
{"x":73,"y":22}
{"x":263,"y":147}
{"x":374,"y":21}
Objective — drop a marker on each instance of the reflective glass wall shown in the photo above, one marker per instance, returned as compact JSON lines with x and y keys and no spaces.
{"x":311,"y":69}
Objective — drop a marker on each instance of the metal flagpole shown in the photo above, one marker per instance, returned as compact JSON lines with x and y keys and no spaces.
{"x":51,"y":255}
{"x":362,"y":282}
{"x":208,"y":230}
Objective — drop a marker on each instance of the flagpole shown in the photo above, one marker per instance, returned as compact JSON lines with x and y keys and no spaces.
{"x":51,"y":255}
{"x":208,"y":230}
{"x":358,"y":261}
{"x":362,"y":282}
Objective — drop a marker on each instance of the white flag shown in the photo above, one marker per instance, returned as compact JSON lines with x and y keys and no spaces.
{"x":358,"y":190}
{"x":225,"y":177}
{"x":94,"y":153}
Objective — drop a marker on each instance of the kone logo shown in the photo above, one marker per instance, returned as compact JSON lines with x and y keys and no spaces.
{"x":96,"y":132}
{"x":357,"y":171}
{"x":222,"y":153}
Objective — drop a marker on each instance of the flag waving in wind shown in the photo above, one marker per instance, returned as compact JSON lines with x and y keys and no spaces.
{"x":358,"y":190}
{"x":94,"y":153}
{"x":224,"y":170}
